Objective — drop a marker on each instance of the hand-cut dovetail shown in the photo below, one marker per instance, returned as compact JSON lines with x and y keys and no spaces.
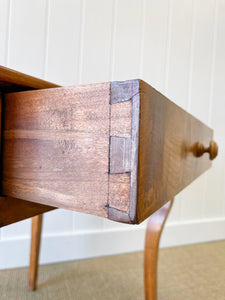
{"x":120,"y":155}
{"x":121,"y":91}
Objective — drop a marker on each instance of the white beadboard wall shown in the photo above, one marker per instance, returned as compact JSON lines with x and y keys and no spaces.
{"x":177,"y":46}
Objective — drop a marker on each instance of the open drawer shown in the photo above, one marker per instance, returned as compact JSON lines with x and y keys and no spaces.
{"x":119,"y":150}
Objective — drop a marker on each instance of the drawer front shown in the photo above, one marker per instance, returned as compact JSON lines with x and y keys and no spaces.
{"x":167,"y":145}
{"x":118,"y":150}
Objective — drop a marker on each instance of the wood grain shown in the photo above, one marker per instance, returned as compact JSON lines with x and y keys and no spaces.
{"x":119,"y":191}
{"x":13,"y":81}
{"x":76,"y":148}
{"x":56,"y":147}
{"x":14,"y":210}
{"x":166,"y":163}
{"x":124,"y":148}
{"x":34,"y":251}
{"x":120,"y":155}
{"x":154,"y":230}
{"x":120,"y":119}
{"x":123,"y":90}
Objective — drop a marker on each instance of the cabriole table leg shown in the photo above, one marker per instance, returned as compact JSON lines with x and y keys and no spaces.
{"x":154,"y":229}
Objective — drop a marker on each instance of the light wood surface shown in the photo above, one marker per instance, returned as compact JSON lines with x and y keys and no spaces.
{"x":67,"y":147}
{"x":154,"y":230}
{"x":34,"y":251}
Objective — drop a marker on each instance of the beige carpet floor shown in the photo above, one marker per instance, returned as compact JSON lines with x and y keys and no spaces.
{"x":192,"y":272}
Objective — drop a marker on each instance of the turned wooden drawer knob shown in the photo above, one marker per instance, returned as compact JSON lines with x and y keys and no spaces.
{"x":200,"y":149}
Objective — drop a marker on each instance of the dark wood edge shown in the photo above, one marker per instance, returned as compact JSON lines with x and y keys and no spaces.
{"x":134,"y":157}
{"x":117,"y":215}
{"x":120,"y":92}
{"x":1,"y":139}
{"x":18,"y":81}
{"x":13,"y":210}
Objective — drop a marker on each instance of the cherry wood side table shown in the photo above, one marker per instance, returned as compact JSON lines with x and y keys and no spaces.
{"x":119,"y":150}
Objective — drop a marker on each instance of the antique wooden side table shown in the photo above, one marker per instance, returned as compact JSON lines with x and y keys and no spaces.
{"x":119,"y":150}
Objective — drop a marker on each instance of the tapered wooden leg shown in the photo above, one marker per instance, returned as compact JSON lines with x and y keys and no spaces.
{"x":153,"y":232}
{"x":34,"y":251}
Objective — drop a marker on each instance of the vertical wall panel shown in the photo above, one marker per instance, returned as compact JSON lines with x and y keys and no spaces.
{"x":127,"y":40}
{"x":199,"y":94}
{"x":180,"y":24}
{"x":57,"y":221}
{"x":200,"y":78}
{"x":155,"y":37}
{"x":63,"y":41}
{"x":215,"y":191}
{"x":96,"y":41}
{"x":17,"y":230}
{"x":87,"y":223}
{"x":179,"y":52}
{"x":218,"y":73}
{"x":4,"y":22}
{"x":193,"y":199}
{"x":27,"y":36}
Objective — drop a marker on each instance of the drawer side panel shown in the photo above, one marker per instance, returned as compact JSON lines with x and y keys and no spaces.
{"x":56,"y":147}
